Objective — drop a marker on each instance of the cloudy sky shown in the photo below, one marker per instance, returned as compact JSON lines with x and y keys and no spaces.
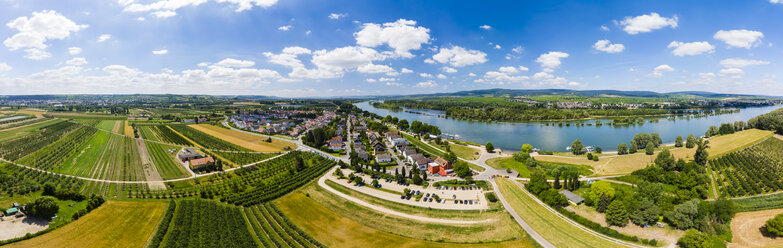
{"x":342,"y":48}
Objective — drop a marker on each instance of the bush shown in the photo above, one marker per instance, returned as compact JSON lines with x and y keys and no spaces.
{"x":491,"y":197}
{"x":774,"y":226}
{"x":43,"y":207}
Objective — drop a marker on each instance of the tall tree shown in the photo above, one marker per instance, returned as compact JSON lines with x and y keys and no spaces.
{"x":577,"y":147}
{"x":490,"y":147}
{"x":678,"y":141}
{"x":690,"y":141}
{"x":649,"y":149}
{"x":633,"y":148}
{"x":616,"y":214}
{"x":622,"y":149}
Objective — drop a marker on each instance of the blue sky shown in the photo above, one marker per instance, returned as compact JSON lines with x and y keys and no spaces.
{"x":342,"y":48}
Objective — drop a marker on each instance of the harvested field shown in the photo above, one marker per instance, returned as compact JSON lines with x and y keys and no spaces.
{"x":128,"y":130}
{"x":150,"y":170}
{"x":249,"y":141}
{"x":114,"y":224}
{"x":746,"y":229}
{"x":117,"y":126}
{"x":625,"y":164}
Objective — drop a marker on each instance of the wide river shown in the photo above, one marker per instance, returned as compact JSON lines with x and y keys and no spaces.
{"x":511,"y":136}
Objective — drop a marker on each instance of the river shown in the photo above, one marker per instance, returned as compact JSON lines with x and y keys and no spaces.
{"x":511,"y":136}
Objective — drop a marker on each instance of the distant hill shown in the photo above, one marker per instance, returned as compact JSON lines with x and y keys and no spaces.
{"x":589,"y":93}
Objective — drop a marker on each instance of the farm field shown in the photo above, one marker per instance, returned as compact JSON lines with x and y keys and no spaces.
{"x":495,"y":224}
{"x":205,"y":140}
{"x":272,"y":229}
{"x":85,"y":115}
{"x":554,"y":229}
{"x":165,"y":161}
{"x":209,"y":224}
{"x":114,"y":224}
{"x":163,"y":133}
{"x":13,"y":133}
{"x":243,"y":158}
{"x":625,"y":164}
{"x":128,"y":129}
{"x":334,"y":230}
{"x":249,"y":141}
{"x":107,"y":125}
{"x":87,"y":156}
{"x":754,"y":170}
{"x":525,"y":171}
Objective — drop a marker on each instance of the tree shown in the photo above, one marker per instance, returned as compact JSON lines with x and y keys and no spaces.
{"x":633,"y":148}
{"x":403,"y":124}
{"x":646,"y":214}
{"x":665,"y":160}
{"x":601,"y":188}
{"x":694,"y":239}
{"x":527,"y":148}
{"x":602,"y":204}
{"x":43,"y":207}
{"x":690,"y":142}
{"x":598,"y":149}
{"x":450,"y":156}
{"x":656,"y":139}
{"x":556,"y":175}
{"x":49,"y":188}
{"x":589,"y":156}
{"x":616,"y":214}
{"x":622,"y":149}
{"x":774,"y":226}
{"x":649,"y":149}
{"x":537,"y":183}
{"x":684,"y":215}
{"x":490,"y":147}
{"x":678,"y":141}
{"x":641,"y":139}
{"x":299,"y":164}
{"x":531,"y":162}
{"x":461,"y":169}
{"x":724,"y":209}
{"x":552,"y":198}
{"x":701,"y":154}
{"x":577,"y":147}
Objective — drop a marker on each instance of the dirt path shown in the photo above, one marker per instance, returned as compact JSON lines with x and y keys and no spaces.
{"x":117,"y":127}
{"x":746,"y":229}
{"x":150,"y":171}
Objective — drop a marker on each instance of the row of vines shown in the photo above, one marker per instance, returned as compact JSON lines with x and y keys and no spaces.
{"x":754,"y":170}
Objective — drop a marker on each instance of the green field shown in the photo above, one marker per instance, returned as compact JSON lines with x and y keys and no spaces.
{"x":554,"y":229}
{"x":208,"y":224}
{"x":165,"y":161}
{"x":87,"y":157}
{"x":271,"y":228}
{"x":107,"y":125}
{"x":22,"y":131}
{"x":525,"y":171}
{"x":335,"y":230}
{"x":114,"y":224}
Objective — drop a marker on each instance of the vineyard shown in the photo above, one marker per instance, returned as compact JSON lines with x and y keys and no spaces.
{"x":206,"y":140}
{"x":20,"y":180}
{"x":273,"y":229}
{"x":163,"y":134}
{"x":243,"y":158}
{"x":751,"y":171}
{"x":202,"y":223}
{"x":18,"y":148}
{"x":164,"y":161}
{"x":53,"y":155}
{"x":251,"y":185}
{"x":23,"y":123}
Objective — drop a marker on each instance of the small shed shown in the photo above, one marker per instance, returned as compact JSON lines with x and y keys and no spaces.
{"x":573,"y":198}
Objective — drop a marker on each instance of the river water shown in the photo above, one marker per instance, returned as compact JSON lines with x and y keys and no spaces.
{"x":511,"y":136}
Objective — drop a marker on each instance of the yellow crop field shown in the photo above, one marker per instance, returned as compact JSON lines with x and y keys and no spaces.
{"x":128,"y":129}
{"x":115,"y":224}
{"x":249,"y":141}
{"x":334,"y":230}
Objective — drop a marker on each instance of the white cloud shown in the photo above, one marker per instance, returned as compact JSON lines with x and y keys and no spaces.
{"x":164,"y":13}
{"x":329,"y":63}
{"x":76,"y":61}
{"x":141,"y":18}
{"x":384,"y":79}
{"x":658,"y":71}
{"x":518,"y":49}
{"x":551,"y":60}
{"x":485,"y":27}
{"x":402,"y":36}
{"x":503,"y":75}
{"x":160,"y":52}
{"x":173,"y":5}
{"x":229,"y":62}
{"x":508,"y":69}
{"x":441,"y":76}
{"x":425,"y":75}
{"x":335,"y":16}
{"x":735,"y":73}
{"x":739,"y":63}
{"x":104,"y":37}
{"x":308,"y":32}
{"x":776,"y":1}
{"x":5,"y":67}
{"x":343,"y":58}
{"x":393,"y":84}
{"x":284,"y":28}
{"x":497,"y":46}
{"x":459,"y":57}
{"x":37,"y":54}
{"x":35,"y":31}
{"x":690,"y":49}
{"x":373,"y":68}
{"x":74,"y":50}
{"x":647,"y":23}
{"x":371,"y":80}
{"x":471,"y":74}
{"x":604,"y":28}
{"x":426,"y":84}
{"x":447,"y":69}
{"x":429,"y":61}
{"x":740,"y":38}
{"x":406,"y":70}
{"x":607,"y":46}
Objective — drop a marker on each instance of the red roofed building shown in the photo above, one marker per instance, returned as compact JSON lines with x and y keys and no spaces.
{"x":440,"y":166}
